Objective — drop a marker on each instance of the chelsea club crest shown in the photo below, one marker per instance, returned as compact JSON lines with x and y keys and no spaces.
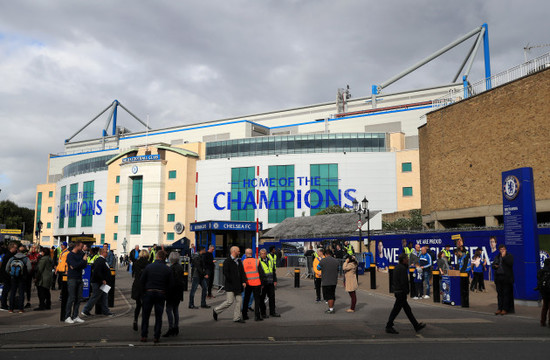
{"x":511,"y":187}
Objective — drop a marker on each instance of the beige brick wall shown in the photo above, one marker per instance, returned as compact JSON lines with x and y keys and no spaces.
{"x":465,"y":147}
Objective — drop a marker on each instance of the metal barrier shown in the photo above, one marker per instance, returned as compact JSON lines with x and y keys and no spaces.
{"x":219,"y":279}
{"x":296,"y":261}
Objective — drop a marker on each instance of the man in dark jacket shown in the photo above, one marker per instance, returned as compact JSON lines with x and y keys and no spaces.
{"x":156,"y":280}
{"x":401,"y":290}
{"x":101,"y":274}
{"x":503,"y":265}
{"x":76,"y":262}
{"x":199,"y":277}
{"x":235,"y":282}
{"x":5,"y":276}
{"x":209,"y":263}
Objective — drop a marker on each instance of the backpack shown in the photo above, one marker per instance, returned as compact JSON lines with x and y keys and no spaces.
{"x":18,"y":268}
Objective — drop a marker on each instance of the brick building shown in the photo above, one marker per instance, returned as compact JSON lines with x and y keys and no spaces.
{"x":464,"y":148}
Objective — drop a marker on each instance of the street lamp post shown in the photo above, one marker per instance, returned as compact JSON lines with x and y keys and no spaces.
{"x":361,"y":209}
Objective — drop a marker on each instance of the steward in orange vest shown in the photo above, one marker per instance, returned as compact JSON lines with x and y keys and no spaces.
{"x":317,"y":280}
{"x":253,"y":285}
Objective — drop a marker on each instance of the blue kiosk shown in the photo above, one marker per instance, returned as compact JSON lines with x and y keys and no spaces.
{"x":224,"y":234}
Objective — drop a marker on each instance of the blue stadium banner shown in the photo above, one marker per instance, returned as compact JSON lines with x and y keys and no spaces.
{"x":520,"y":230}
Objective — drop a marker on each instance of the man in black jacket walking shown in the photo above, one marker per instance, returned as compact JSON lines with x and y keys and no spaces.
{"x":200,"y":277}
{"x":401,"y":290}
{"x":101,"y":274}
{"x":235,"y":282}
{"x":156,"y":280}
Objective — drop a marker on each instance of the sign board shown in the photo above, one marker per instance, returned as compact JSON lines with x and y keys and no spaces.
{"x":520,"y":230}
{"x":10,"y":231}
{"x":225,"y":226}
{"x":141,"y":158}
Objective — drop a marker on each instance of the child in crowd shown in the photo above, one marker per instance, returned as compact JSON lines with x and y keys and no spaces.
{"x":478,"y":267}
{"x":418,"y":285}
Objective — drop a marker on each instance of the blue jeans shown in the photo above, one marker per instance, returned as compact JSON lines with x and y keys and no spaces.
{"x":97,"y":295}
{"x":152,"y":299}
{"x":173,"y":313}
{"x":426,"y":280}
{"x":196,"y":282}
{"x":74,"y":287}
{"x":17,"y":286}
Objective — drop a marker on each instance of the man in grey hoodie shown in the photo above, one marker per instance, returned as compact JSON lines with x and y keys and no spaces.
{"x":19,"y":269}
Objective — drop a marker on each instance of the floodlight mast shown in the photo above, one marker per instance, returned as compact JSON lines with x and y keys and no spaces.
{"x":112,"y":117}
{"x":481,"y":31}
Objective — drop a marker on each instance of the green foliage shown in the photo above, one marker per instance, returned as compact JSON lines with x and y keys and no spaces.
{"x":413,"y":222}
{"x":334,"y":209}
{"x":14,"y":216}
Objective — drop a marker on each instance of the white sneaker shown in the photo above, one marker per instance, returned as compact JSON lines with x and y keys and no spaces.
{"x":78,"y":320}
{"x":415,"y":298}
{"x":426,"y":297}
{"x":69,"y":320}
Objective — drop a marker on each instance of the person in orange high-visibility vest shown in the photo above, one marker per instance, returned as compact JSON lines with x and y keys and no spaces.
{"x":317,"y":279}
{"x":61,"y":268}
{"x":253,"y":285}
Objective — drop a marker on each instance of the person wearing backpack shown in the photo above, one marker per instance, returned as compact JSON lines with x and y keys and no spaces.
{"x":5,"y":276}
{"x":543,"y":286}
{"x":18,"y":268}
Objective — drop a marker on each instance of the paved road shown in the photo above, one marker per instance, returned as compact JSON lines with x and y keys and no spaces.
{"x":302,"y":320}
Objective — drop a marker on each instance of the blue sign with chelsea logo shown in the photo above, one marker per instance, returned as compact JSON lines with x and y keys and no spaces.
{"x":520,"y":230}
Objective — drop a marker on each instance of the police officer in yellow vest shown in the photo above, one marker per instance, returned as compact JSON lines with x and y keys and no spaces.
{"x":447,"y":253}
{"x":253,"y":285}
{"x":349,"y":249}
{"x":268,"y":277}
{"x":93,"y":256}
{"x":153,"y":254}
{"x":408,"y":249}
{"x":317,"y":279}
{"x":272,"y":256}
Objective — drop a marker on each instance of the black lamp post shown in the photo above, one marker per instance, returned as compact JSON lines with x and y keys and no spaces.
{"x":361,"y":209}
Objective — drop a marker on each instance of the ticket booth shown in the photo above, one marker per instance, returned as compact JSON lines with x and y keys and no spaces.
{"x":224,"y":234}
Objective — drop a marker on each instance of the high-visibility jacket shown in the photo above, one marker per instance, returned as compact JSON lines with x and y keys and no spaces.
{"x":447,"y":253}
{"x":62,"y":264}
{"x":349,"y":249}
{"x":267,"y":267}
{"x":408,"y":251}
{"x":315,"y":270}
{"x":273,"y":259}
{"x":153,"y":255}
{"x":250,"y":266}
{"x":92,"y":259}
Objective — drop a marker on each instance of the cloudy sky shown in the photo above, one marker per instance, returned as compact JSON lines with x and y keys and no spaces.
{"x":62,"y":62}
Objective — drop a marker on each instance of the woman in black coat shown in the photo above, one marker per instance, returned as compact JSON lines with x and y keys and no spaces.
{"x":137,"y":291}
{"x":174,"y":296}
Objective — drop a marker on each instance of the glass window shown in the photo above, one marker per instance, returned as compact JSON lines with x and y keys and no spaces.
{"x":407,"y":191}
{"x":73,"y":205}
{"x":38,"y":206}
{"x":62,"y":211}
{"x":324,"y":187}
{"x":118,"y":179}
{"x":284,"y":207}
{"x":116,"y":219}
{"x":49,"y":225}
{"x":49,"y":209}
{"x":240,"y":189}
{"x":135,"y":219}
{"x":172,"y":174}
{"x":88,"y":207}
{"x":406,"y":167}
{"x":170,"y":236}
{"x":50,"y":194}
{"x":171,"y":218}
{"x":102,"y":239}
{"x":115,"y":236}
{"x":116,"y":199}
{"x":172,"y":195}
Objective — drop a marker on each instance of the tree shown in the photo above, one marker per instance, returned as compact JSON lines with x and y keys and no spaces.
{"x":334,"y":209}
{"x":14,"y":216}
{"x":413,"y":222}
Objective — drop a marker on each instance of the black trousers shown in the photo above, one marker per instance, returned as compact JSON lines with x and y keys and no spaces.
{"x":6,"y":293}
{"x":505,"y":294}
{"x":255,"y":290}
{"x":210,"y":282}
{"x":317,"y":283}
{"x":401,"y":303}
{"x":44,"y":298}
{"x":152,"y":299}
{"x":269,"y":291}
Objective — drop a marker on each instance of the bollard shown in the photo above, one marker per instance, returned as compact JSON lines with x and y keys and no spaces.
{"x":296,"y":277}
{"x":64,"y":296}
{"x":373,"y":276}
{"x":435,"y":286}
{"x":412,"y":290}
{"x":391,"y":268}
{"x":111,"y":295}
{"x":465,"y":289}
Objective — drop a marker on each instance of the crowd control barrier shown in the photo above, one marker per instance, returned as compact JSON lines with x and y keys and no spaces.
{"x":297,"y":261}
{"x":219,"y":279}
